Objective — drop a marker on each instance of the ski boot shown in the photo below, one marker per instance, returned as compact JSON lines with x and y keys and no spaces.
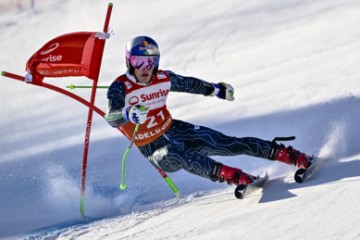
{"x":289,"y":155}
{"x":231,"y":175}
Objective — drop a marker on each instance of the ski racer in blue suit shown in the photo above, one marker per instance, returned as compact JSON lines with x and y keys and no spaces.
{"x":139,"y":97}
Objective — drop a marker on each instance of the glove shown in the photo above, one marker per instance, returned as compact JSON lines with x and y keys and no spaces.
{"x":115,"y":118}
{"x":136,"y":114}
{"x":223,"y":91}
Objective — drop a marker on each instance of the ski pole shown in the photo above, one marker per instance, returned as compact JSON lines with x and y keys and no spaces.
{"x":170,"y":183}
{"x":123,"y":185}
{"x":167,"y":179}
{"x":72,"y":86}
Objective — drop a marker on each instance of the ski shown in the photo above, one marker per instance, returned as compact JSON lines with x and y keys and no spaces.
{"x":302,"y":175}
{"x":244,"y":190}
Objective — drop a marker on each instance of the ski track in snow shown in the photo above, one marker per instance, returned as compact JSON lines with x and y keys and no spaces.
{"x":294,"y":66}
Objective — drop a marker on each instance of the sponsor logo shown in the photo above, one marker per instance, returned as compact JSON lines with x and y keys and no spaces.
{"x":155,"y":95}
{"x":134,"y":100}
{"x":128,"y":85}
{"x":149,"y":48}
{"x":52,"y":58}
{"x":51,"y":48}
{"x":62,"y":72}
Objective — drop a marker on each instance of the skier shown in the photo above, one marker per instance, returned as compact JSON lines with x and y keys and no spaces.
{"x":139,"y":97}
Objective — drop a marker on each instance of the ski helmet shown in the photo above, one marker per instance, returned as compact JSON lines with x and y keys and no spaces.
{"x":142,"y":46}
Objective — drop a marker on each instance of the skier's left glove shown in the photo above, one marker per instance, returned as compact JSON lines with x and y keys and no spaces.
{"x":223,"y":90}
{"x":136,"y":114}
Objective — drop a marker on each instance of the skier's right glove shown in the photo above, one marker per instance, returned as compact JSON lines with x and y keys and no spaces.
{"x":136,"y":114}
{"x":224,"y":91}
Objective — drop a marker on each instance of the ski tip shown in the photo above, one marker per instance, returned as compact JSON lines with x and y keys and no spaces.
{"x":300,"y":175}
{"x":240,"y":191}
{"x":299,"y":179}
{"x":266,"y":176}
{"x":2,"y":73}
{"x":111,"y":4}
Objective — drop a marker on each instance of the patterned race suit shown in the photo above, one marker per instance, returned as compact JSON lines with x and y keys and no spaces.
{"x":171,"y":144}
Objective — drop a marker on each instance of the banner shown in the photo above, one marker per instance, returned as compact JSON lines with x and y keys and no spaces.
{"x":73,"y":54}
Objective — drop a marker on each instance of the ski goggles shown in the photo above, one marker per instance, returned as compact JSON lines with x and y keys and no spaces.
{"x":144,"y":62}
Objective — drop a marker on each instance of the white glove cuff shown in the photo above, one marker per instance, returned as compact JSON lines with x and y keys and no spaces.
{"x":216,"y":89}
{"x":125,"y":113}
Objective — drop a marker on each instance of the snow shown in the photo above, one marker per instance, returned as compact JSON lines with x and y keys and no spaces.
{"x":294,"y":67}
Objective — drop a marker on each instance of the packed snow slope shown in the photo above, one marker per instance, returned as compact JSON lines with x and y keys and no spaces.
{"x":295,"y":68}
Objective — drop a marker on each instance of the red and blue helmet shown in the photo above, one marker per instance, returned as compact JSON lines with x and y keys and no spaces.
{"x":142,"y":52}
